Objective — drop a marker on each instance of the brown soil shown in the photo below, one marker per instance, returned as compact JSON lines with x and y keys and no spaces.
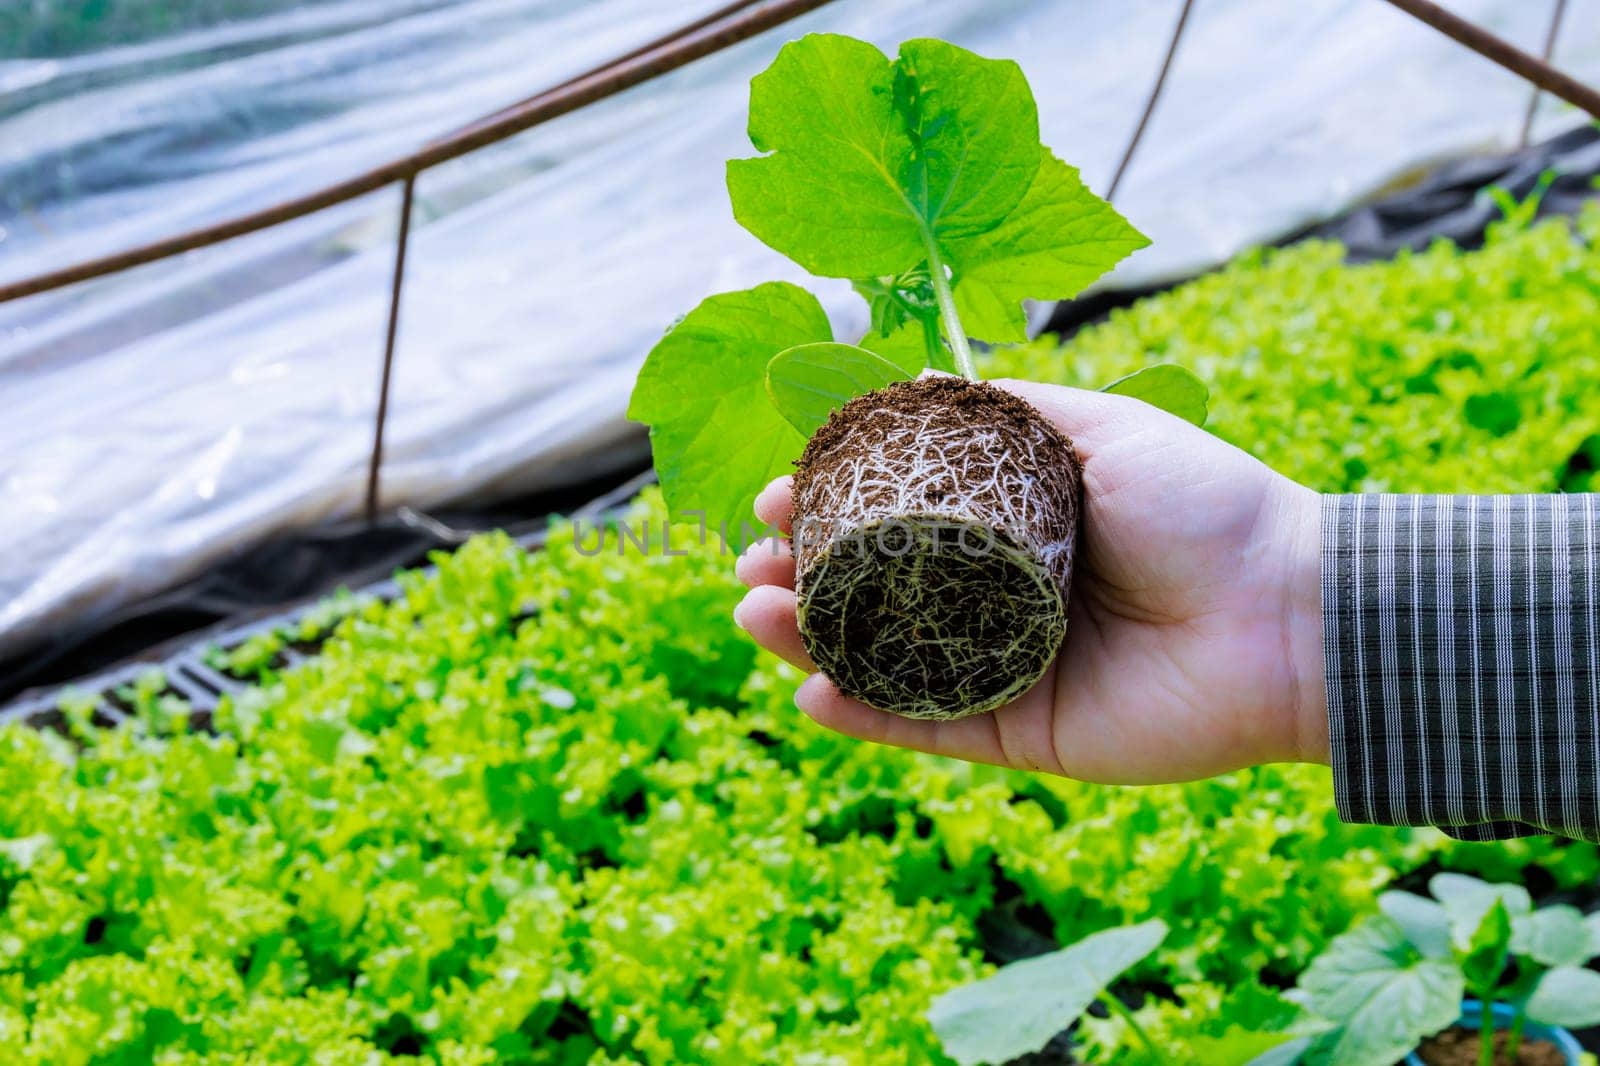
{"x":1459,"y":1047}
{"x":934,"y":529}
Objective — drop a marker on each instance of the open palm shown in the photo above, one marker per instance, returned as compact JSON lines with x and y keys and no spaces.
{"x":1193,"y":641}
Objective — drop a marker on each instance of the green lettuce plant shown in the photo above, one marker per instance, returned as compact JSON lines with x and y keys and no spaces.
{"x":510,"y":816}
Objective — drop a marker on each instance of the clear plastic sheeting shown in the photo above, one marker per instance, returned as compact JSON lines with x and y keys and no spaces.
{"x":154,"y":421}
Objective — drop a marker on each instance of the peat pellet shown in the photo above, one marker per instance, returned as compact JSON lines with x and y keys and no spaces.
{"x":935,"y":522}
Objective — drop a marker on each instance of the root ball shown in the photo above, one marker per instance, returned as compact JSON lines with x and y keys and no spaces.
{"x":935,"y":522}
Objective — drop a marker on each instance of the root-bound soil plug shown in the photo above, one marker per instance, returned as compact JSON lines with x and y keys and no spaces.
{"x":934,"y":531}
{"x":936,"y":516}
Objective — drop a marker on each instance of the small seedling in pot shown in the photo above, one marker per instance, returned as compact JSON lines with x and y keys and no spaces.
{"x":1399,"y":978}
{"x":935,"y":517}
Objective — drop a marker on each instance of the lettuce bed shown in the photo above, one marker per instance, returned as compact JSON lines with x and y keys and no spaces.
{"x":556,"y":809}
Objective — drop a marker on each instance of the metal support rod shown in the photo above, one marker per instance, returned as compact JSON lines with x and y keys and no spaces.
{"x":612,"y":78}
{"x":1557,"y":12}
{"x":407,"y":190}
{"x":1150,"y":104}
{"x":1503,"y":52}
{"x":709,"y":19}
{"x":600,"y":83}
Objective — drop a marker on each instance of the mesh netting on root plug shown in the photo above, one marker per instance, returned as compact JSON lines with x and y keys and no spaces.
{"x":934,"y":529}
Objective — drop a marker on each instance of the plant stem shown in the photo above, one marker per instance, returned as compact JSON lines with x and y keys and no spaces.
{"x":1117,"y":1007}
{"x":1514,"y":1039}
{"x":947,"y":308}
{"x":937,"y":355}
{"x":1486,"y":1032}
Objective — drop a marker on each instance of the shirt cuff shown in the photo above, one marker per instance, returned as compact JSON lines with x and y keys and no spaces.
{"x":1460,"y":638}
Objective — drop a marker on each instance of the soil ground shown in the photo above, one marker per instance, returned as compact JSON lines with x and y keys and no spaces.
{"x":1459,"y":1047}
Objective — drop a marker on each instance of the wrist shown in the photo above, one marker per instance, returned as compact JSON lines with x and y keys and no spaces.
{"x":1307,"y":703}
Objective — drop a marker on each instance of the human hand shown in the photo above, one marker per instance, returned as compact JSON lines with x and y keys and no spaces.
{"x":1194,"y":633}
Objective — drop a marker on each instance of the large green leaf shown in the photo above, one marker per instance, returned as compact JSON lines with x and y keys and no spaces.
{"x":1385,"y":996}
{"x":1566,"y":995}
{"x":1552,"y":936}
{"x":703,"y":390}
{"x":1423,"y":922}
{"x":1169,"y":387}
{"x":1449,"y":888}
{"x":1059,"y":239}
{"x":809,"y":382}
{"x":1466,"y":900}
{"x":866,"y":157}
{"x":1019,"y":1009}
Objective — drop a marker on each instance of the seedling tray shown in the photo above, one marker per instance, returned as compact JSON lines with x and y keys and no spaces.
{"x":190,"y":674}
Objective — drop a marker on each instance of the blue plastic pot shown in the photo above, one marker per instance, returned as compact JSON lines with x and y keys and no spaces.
{"x":1503,"y":1015}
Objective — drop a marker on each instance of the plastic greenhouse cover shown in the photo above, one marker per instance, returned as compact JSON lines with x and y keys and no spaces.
{"x":155,"y":421}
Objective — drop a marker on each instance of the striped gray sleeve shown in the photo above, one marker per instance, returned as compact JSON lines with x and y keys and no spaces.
{"x":1461,"y":636}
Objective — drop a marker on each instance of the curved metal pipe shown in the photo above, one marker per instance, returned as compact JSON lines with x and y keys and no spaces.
{"x":681,"y":49}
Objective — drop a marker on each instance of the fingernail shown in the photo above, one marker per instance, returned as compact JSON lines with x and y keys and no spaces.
{"x":738,"y":614}
{"x":802,"y":695}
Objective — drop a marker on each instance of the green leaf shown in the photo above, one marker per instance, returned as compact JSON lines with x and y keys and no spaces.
{"x":1496,"y":413}
{"x":1467,"y":900}
{"x":1060,"y":238}
{"x":1286,"y":1054}
{"x":1552,"y":936}
{"x":905,"y":347}
{"x":1020,"y":1008}
{"x":1237,"y":1045}
{"x":1566,"y":995}
{"x":867,"y":157}
{"x":1449,"y":887}
{"x":703,"y":390}
{"x":886,"y":312}
{"x":1483,"y":960}
{"x":809,"y":382}
{"x":25,"y":852}
{"x":1169,"y":387}
{"x":1423,"y":922}
{"x":1592,"y":923}
{"x":1384,"y":995}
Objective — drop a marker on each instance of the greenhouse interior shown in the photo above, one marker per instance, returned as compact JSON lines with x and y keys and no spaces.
{"x":856,"y":532}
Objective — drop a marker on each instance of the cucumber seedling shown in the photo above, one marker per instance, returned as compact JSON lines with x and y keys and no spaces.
{"x":935,"y":517}
{"x":1399,"y":978}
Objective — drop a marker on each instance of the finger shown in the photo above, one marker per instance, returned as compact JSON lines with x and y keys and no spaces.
{"x":775,"y":505}
{"x":767,"y":562}
{"x":973,"y":739}
{"x":767,"y":614}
